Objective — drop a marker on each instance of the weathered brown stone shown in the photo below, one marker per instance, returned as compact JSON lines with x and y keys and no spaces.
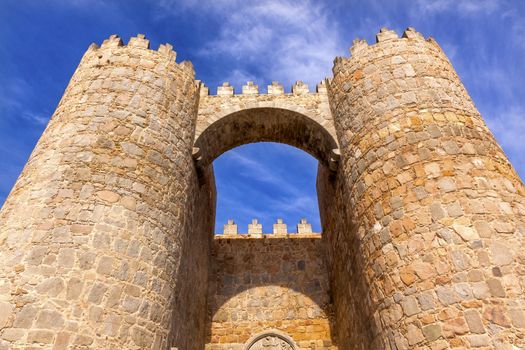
{"x":518,"y":318}
{"x":25,"y":317}
{"x":497,"y":315}
{"x":5,"y":313}
{"x":62,"y":341}
{"x":410,"y":306}
{"x":474,"y":321}
{"x":108,"y":196}
{"x":432,"y":332}
{"x":478,"y":341}
{"x":13,"y":334}
{"x":51,"y":286}
{"x":49,"y":319}
{"x":414,"y":335}
{"x":141,"y":337}
{"x":495,"y":287}
{"x":424,"y":270}
{"x":271,"y":290}
{"x":467,"y":233}
{"x":82,"y":340}
{"x":407,"y":275}
{"x":455,"y":326}
{"x":40,"y":336}
{"x":74,"y":288}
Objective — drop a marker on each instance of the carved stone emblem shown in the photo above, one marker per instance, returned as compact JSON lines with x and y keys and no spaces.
{"x":271,"y":341}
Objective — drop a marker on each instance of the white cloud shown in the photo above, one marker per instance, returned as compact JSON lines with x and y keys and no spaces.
{"x":255,"y":170}
{"x":462,"y":7}
{"x":239,"y":77}
{"x":14,"y":93}
{"x":35,"y":118}
{"x":508,"y":128}
{"x":288,"y":197}
{"x":287,"y":40}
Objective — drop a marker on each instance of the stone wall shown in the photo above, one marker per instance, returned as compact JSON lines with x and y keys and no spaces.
{"x":276,"y":282}
{"x":354,"y":324}
{"x":433,"y":211}
{"x":96,"y":234}
{"x":188,"y":321}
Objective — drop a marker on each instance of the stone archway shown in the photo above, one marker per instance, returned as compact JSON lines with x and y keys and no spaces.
{"x":222,"y":129}
{"x":271,"y":340}
{"x":266,"y":124}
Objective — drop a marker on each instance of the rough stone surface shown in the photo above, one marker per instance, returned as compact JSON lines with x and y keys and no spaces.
{"x":106,"y":237}
{"x":107,"y":199}
{"x":278,"y":281}
{"x":419,"y":167}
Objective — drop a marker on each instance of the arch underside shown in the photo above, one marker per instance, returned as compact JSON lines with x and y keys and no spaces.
{"x":265,"y":124}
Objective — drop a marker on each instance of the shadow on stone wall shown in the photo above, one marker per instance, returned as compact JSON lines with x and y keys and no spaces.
{"x":262,"y":283}
{"x":188,"y":327}
{"x":356,"y":326}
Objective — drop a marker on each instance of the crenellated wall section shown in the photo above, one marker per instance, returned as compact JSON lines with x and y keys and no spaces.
{"x":272,"y":281}
{"x":300,"y":118}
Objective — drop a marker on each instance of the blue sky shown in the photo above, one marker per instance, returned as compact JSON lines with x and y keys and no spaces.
{"x":238,"y":40}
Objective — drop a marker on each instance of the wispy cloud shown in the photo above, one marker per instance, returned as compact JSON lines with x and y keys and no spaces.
{"x":265,"y":187}
{"x":259,"y":171}
{"x":509,"y":127}
{"x":239,"y":77}
{"x":463,"y":7}
{"x":12,"y":91}
{"x":35,"y":118}
{"x":15,"y":95}
{"x":287,"y":40}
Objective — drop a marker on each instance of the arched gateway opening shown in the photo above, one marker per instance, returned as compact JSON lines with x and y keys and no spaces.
{"x":263,"y":286}
{"x":266,"y":124}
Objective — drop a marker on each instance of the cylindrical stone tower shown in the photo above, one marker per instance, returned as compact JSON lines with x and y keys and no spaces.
{"x":90,"y":234}
{"x":436,"y":209}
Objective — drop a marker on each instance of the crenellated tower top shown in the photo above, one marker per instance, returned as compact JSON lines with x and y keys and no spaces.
{"x":385,"y":36}
{"x":137,"y":43}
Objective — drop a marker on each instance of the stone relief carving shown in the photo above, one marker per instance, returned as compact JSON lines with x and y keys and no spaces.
{"x":271,"y":341}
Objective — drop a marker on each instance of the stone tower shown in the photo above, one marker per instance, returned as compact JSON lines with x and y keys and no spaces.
{"x":96,"y":232}
{"x":105,"y":238}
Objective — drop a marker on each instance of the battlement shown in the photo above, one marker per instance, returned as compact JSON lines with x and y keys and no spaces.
{"x":139,"y":42}
{"x":385,"y":36}
{"x":255,"y":230}
{"x":275,"y":88}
